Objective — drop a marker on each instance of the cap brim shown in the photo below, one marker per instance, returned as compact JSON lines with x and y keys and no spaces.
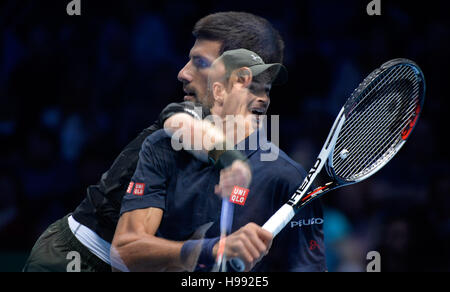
{"x":277,"y":72}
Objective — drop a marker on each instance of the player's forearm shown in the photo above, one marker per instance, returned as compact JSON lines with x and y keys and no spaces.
{"x":194,"y":134}
{"x":136,"y":246}
{"x":150,"y":254}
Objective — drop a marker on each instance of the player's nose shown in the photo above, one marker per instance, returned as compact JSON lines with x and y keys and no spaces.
{"x":263,"y":100}
{"x":185,"y":75}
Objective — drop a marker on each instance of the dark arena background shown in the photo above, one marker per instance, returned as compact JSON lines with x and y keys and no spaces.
{"x":74,"y":90}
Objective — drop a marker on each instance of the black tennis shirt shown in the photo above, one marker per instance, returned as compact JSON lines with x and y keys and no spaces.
{"x":183,"y":186}
{"x":99,"y":211}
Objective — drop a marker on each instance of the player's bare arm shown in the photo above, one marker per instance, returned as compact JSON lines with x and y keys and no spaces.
{"x":194,"y":130}
{"x":140,"y":250}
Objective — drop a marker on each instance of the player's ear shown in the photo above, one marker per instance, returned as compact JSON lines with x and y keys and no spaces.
{"x":244,"y":76}
{"x":218,"y":91}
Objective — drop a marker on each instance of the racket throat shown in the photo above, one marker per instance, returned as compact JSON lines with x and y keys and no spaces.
{"x":296,"y":197}
{"x":314,"y":194}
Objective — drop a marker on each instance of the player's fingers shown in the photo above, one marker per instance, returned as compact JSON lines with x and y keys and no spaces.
{"x":237,"y":168}
{"x":243,"y":178}
{"x":261,"y":245}
{"x":242,"y":248}
{"x":228,"y":181}
{"x":225,"y":171}
{"x":265,"y":236}
{"x":260,"y":238}
{"x":233,"y":179}
{"x":241,"y":167}
{"x":218,"y":190}
{"x":260,"y":234}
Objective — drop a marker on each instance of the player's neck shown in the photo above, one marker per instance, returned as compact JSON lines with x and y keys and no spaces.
{"x":237,"y":129}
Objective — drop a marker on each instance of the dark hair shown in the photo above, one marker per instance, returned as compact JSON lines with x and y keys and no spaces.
{"x":242,"y":30}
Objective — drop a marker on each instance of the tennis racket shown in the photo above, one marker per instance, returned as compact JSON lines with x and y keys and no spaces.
{"x":370,"y":129}
{"x":226,"y":222}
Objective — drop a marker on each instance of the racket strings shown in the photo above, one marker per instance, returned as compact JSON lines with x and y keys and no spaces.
{"x":374,"y":144}
{"x":361,"y":127}
{"x":373,"y":128}
{"x":358,"y":108}
{"x":376,"y":137}
{"x":381,"y":125}
{"x":372,"y":161}
{"x":357,"y":125}
{"x":355,"y":115}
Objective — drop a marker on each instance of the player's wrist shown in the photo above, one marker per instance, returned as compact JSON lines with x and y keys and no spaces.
{"x":225,"y":158}
{"x":198,"y":254}
{"x":215,"y":249}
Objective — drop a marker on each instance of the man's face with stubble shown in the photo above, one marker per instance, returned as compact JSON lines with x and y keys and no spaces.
{"x":194,"y":74}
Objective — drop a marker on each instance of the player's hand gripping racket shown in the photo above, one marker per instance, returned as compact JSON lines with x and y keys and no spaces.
{"x":370,"y":129}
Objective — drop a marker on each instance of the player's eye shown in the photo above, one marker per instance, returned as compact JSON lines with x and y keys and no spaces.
{"x":257,"y":88}
{"x":267,"y":88}
{"x":200,"y":62}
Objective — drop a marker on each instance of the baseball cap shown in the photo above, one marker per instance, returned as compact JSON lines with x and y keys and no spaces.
{"x":238,"y":58}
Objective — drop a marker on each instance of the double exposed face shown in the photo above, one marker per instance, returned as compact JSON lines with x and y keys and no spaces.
{"x":206,"y":81}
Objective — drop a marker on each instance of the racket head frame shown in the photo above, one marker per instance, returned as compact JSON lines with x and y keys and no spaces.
{"x":358,"y":92}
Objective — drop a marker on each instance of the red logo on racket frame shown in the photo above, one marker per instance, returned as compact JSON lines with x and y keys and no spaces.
{"x":411,"y":123}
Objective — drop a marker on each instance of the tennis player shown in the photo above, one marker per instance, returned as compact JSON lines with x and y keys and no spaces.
{"x":89,"y":230}
{"x":170,"y":196}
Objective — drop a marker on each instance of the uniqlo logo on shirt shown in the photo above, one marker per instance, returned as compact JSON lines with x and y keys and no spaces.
{"x":139,"y":189}
{"x":130,"y":187}
{"x":239,"y":195}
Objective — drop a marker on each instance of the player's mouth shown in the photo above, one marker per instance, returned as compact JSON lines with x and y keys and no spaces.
{"x":258,"y":109}
{"x":190,"y":95}
{"x":258,"y":112}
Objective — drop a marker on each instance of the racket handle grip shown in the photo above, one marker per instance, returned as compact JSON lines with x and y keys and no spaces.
{"x":274,"y":225}
{"x":280,"y":219}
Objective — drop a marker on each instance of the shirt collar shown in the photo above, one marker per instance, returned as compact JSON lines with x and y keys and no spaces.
{"x":252,"y":143}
